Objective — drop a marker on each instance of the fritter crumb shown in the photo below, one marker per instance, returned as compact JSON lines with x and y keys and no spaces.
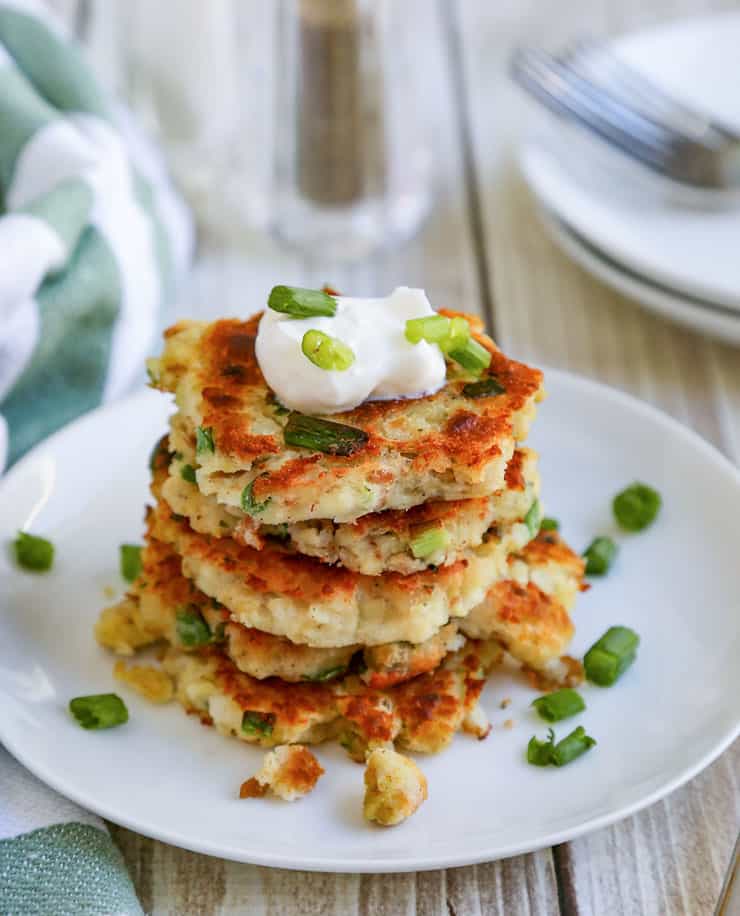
{"x":290,"y":771}
{"x":117,"y":629}
{"x":509,"y":723}
{"x":476,"y":723}
{"x":153,"y":684}
{"x":394,"y":787}
{"x":505,"y":703}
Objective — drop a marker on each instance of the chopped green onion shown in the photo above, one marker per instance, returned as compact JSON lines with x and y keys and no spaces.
{"x":599,"y":555}
{"x":485,"y":388}
{"x":204,"y":439}
{"x":280,"y":410}
{"x":192,"y":629}
{"x":636,"y":507}
{"x":258,"y":723}
{"x":130,"y":561}
{"x":533,"y":518}
{"x":545,"y":753}
{"x":187,"y":472}
{"x":539,"y":753}
{"x":472,"y":356}
{"x":609,"y":657}
{"x":549,"y":524}
{"x":301,"y":303}
{"x":100,"y":710}
{"x":559,"y":705}
{"x":429,"y":542}
{"x":249,"y":504}
{"x":571,"y":747}
{"x":432,"y":328}
{"x":32,"y":552}
{"x":323,"y":435}
{"x":326,"y":352}
{"x":327,"y":675}
{"x":458,"y":335}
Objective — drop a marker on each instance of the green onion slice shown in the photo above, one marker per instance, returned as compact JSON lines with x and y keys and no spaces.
{"x":100,"y":710}
{"x":472,"y":356}
{"x":533,"y":518}
{"x":432,"y":328}
{"x":204,"y":439}
{"x":187,"y":472}
{"x":562,"y":704}
{"x":539,"y":753}
{"x":323,"y":435}
{"x":327,"y":352}
{"x":32,"y":552}
{"x":130,"y":561}
{"x":609,"y":657}
{"x":258,"y":723}
{"x":301,"y":303}
{"x":429,"y":542}
{"x":249,"y":504}
{"x":636,"y":507}
{"x":571,"y":747}
{"x":458,"y":336}
{"x":549,"y":524}
{"x":485,"y":388}
{"x":599,"y":555}
{"x":327,"y":675}
{"x":192,"y":629}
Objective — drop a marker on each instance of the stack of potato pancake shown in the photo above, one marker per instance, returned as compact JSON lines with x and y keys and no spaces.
{"x":353,"y":577}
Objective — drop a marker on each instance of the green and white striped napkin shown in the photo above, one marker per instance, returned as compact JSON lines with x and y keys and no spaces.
{"x":92,"y":237}
{"x":92,"y":234}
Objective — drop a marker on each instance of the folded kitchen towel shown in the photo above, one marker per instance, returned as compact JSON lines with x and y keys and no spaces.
{"x":92,"y":237}
{"x":55,"y":858}
{"x":92,"y":234}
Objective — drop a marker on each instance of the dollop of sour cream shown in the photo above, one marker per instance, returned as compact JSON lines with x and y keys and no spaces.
{"x":386,"y":365}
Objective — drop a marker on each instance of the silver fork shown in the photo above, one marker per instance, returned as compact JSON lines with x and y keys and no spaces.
{"x":604,"y":95}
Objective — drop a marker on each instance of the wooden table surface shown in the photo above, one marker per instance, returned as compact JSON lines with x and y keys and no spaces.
{"x":484,"y":250}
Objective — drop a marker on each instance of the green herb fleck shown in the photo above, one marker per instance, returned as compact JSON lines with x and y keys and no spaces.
{"x":204,"y":439}
{"x":33,"y":553}
{"x":130,"y":561}
{"x":101,"y":710}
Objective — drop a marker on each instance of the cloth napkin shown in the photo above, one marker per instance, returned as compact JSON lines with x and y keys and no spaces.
{"x":92,"y":237}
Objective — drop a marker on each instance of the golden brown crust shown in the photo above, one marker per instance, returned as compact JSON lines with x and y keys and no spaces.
{"x":214,"y":372}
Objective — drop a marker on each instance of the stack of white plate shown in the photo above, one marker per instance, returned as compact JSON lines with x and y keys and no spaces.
{"x":680,"y":258}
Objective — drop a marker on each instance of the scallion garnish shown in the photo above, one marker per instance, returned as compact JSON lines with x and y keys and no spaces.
{"x":327,"y":675}
{"x":545,"y":753}
{"x":429,"y":542}
{"x":549,"y":524}
{"x":32,"y":552}
{"x":323,"y":435}
{"x":249,"y":504}
{"x":636,"y":507}
{"x":258,"y":723}
{"x":609,"y":657}
{"x":204,"y":439}
{"x":562,"y":704}
{"x":432,"y":328}
{"x":599,"y":555}
{"x":472,"y":356}
{"x":301,"y":303}
{"x":458,"y":336}
{"x":533,"y":518}
{"x":192,"y":629}
{"x":539,"y":752}
{"x":130,"y":561}
{"x":100,"y":710}
{"x":187,"y":472}
{"x":485,"y":388}
{"x":327,"y":352}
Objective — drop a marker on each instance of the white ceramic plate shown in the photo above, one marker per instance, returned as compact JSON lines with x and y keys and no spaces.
{"x":690,"y":249}
{"x":706,"y":317}
{"x":165,"y":775}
